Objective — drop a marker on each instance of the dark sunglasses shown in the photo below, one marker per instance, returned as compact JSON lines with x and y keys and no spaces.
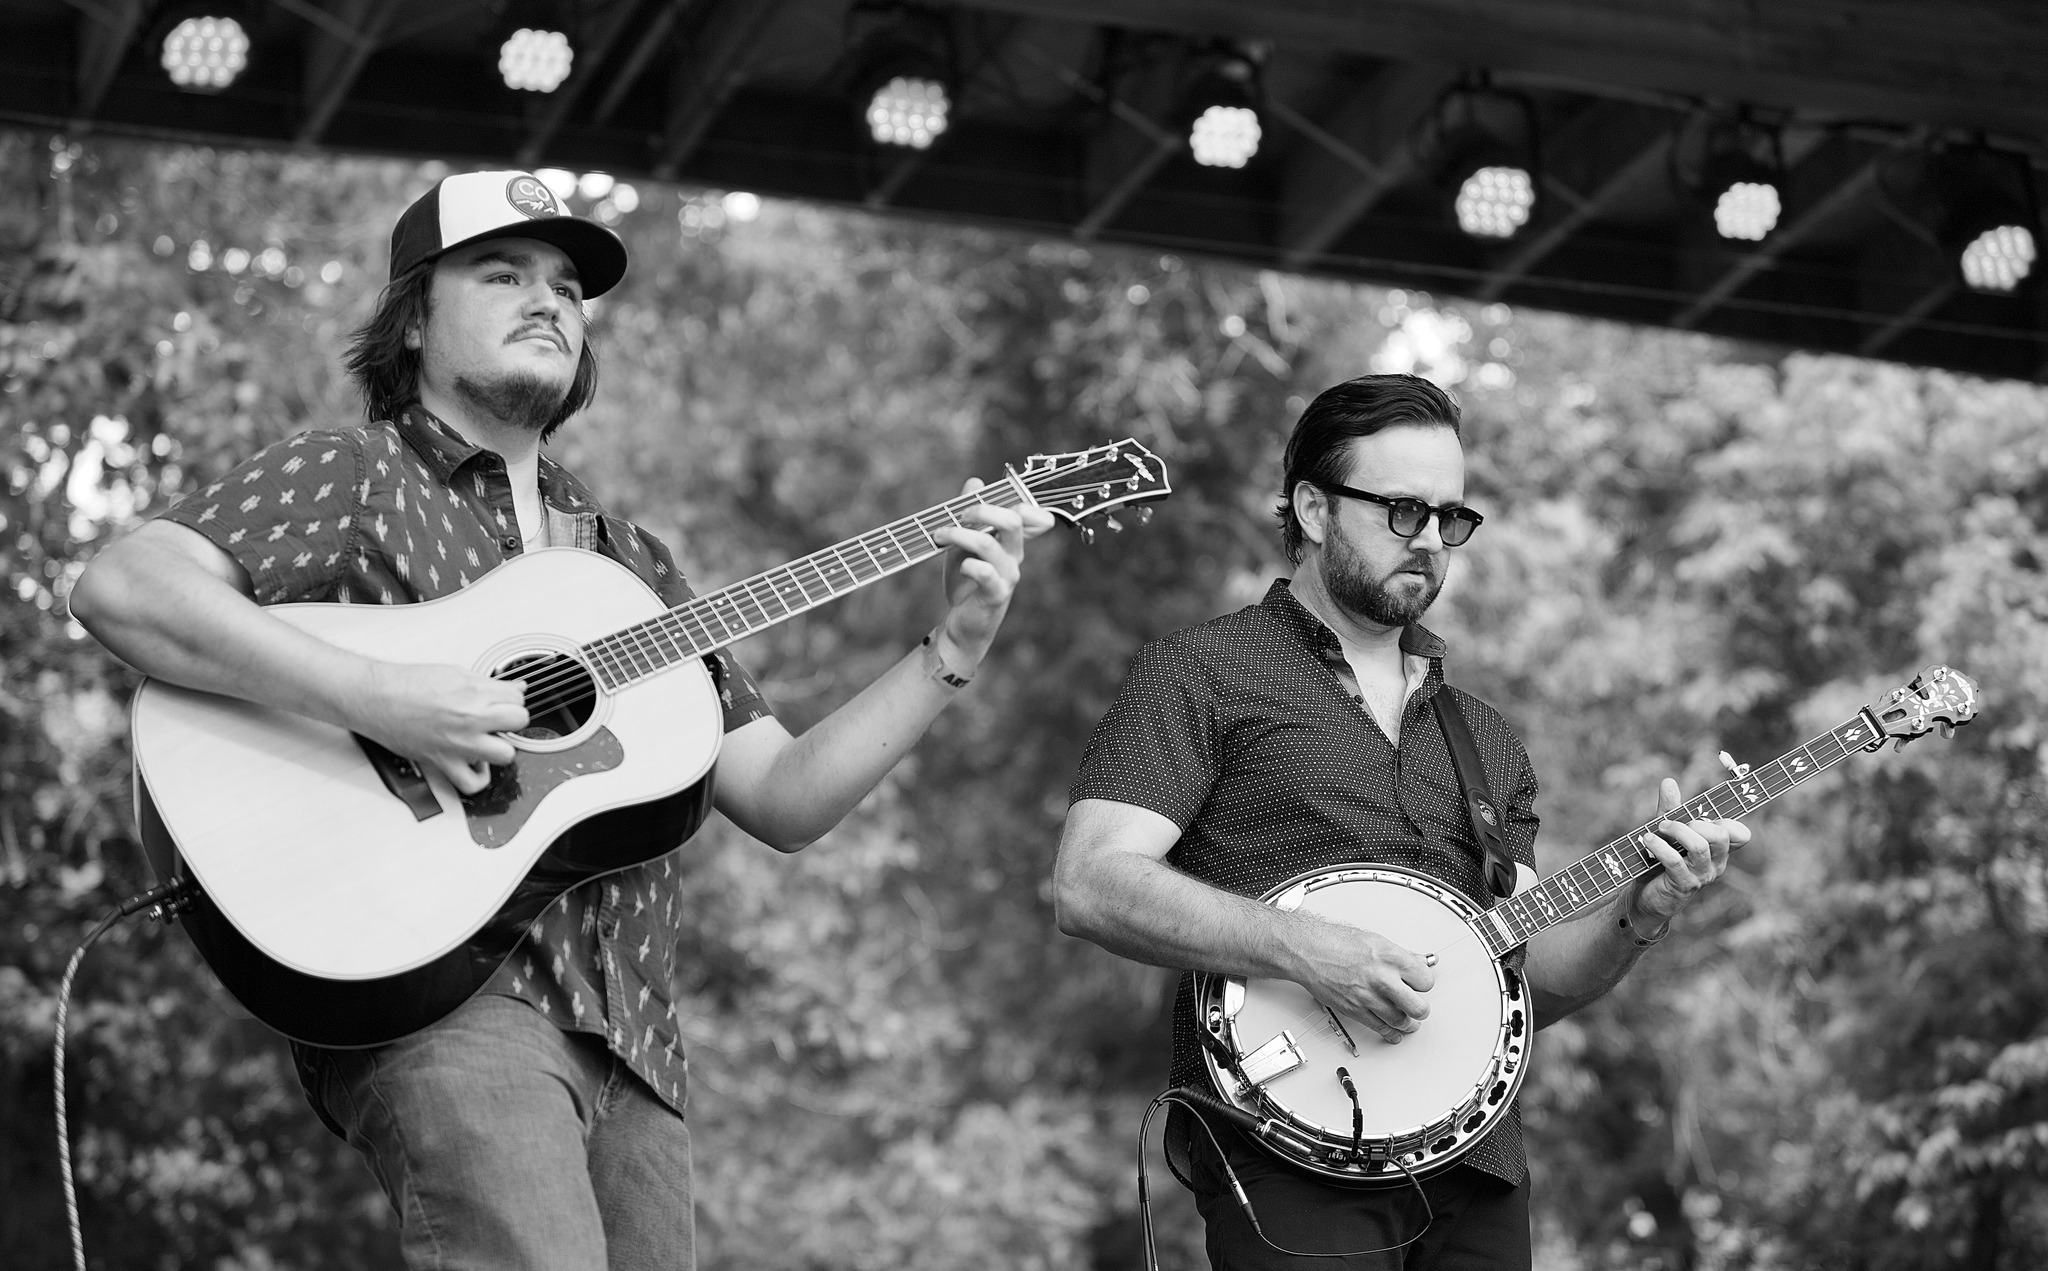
{"x":1406,"y":517}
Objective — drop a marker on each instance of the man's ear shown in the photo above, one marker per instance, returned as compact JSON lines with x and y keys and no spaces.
{"x":1312,"y":509}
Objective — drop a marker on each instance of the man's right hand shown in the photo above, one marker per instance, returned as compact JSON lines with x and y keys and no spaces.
{"x":441,"y":717}
{"x":1363,"y":975}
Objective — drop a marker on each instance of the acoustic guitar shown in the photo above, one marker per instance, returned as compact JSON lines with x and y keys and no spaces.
{"x":347,"y":898}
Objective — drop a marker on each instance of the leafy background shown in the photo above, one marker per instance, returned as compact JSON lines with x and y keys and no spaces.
{"x":1839,"y":1061}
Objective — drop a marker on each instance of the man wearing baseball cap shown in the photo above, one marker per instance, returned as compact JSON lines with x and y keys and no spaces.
{"x":541,"y":1123}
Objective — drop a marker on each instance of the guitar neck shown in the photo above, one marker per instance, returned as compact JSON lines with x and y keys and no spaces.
{"x":1623,"y":862}
{"x":710,"y":622}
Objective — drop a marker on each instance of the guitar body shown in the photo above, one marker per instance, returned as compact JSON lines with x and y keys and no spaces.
{"x":1420,"y":1104}
{"x":346,"y":904}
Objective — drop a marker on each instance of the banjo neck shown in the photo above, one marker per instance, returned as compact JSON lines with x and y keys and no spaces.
{"x":1938,"y":697}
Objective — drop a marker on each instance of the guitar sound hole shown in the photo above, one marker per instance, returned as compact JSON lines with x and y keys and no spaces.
{"x":560,"y":695}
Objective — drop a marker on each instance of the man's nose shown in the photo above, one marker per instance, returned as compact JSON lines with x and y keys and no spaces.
{"x":543,"y":300}
{"x":1430,"y":538}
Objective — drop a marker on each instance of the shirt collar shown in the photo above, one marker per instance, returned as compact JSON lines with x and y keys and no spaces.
{"x":1286,"y":609}
{"x":446,"y":452}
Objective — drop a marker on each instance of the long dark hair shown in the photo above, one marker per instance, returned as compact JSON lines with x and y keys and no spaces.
{"x":1319,"y":450}
{"x":388,"y":372}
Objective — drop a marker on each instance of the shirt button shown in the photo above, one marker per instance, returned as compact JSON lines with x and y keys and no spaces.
{"x":510,"y":542}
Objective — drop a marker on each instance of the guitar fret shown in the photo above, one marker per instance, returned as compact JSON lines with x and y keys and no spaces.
{"x":853,"y":578}
{"x":744,"y":595}
{"x":729,"y":615}
{"x":664,"y":641}
{"x":601,"y":660}
{"x":1571,"y":890}
{"x":703,"y":639}
{"x":765,"y":589}
{"x":892,"y":552}
{"x":633,"y":656}
{"x":789,"y":591}
{"x":1108,"y":474}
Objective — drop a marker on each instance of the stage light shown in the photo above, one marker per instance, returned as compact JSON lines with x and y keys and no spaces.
{"x":899,"y":71}
{"x":535,"y":61}
{"x":1220,"y":108}
{"x":204,"y":54}
{"x":1736,"y":169}
{"x":1225,"y":136}
{"x":1494,"y":202}
{"x":1991,"y":216}
{"x":1747,"y":210}
{"x":1480,"y":147}
{"x":1999,"y":259}
{"x":908,"y":111}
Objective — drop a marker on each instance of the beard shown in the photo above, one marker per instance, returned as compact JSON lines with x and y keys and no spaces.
{"x":521,"y":400}
{"x":1348,"y":583}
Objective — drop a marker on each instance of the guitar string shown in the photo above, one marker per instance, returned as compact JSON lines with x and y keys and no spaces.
{"x":1520,"y":910}
{"x":572,"y":679}
{"x":571,"y":685}
{"x":574,"y":672}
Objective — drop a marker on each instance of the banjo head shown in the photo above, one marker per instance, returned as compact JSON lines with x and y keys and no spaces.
{"x":1422,"y":1102}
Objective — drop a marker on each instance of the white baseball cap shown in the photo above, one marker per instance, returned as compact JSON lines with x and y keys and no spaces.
{"x":478,"y":205}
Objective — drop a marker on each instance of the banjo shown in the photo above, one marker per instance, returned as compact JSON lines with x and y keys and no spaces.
{"x":1326,"y":1094}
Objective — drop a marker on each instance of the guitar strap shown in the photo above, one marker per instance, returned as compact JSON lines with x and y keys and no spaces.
{"x":1488,"y":817}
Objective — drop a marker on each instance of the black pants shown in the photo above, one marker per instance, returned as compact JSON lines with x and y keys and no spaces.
{"x":1480,"y":1222}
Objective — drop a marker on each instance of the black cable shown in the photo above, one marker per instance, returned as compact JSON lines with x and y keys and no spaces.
{"x":1196,"y":1102}
{"x":164,"y":902}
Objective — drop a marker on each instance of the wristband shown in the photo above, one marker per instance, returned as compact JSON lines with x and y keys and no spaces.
{"x":935,"y":662}
{"x":1629,"y":928}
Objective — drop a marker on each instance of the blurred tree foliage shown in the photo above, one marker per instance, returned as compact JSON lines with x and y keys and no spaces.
{"x":1839,"y":1062}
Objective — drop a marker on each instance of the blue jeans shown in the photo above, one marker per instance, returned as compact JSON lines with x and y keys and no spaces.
{"x":504,"y":1142}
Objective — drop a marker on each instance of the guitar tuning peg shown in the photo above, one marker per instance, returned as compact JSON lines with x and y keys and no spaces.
{"x":1144,"y":516}
{"x":1088,"y":534}
{"x":1113,"y":523}
{"x":1948,"y":730}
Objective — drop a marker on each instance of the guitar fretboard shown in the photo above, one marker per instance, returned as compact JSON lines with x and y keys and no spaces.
{"x":731,"y":614}
{"x":1600,"y":874}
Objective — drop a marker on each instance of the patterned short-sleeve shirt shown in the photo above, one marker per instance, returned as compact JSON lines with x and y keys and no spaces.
{"x":397,"y":512}
{"x":1241,"y":732}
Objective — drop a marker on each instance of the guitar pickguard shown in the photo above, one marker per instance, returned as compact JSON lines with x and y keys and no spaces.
{"x":500,"y":810}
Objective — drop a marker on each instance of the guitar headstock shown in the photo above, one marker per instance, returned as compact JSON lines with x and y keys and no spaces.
{"x":1084,"y":483}
{"x":1939,"y":697}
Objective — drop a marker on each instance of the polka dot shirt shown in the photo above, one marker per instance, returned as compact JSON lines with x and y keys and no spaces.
{"x":1242,"y":731}
{"x":397,"y":512}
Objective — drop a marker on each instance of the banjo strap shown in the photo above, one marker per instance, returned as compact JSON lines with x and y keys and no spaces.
{"x":1487,"y":818}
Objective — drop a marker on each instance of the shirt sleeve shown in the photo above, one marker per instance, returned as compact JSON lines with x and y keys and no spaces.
{"x":1523,"y":823}
{"x":286,"y":515}
{"x":648,"y":556}
{"x":1156,"y":748}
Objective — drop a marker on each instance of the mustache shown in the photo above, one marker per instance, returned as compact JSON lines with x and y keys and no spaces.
{"x":548,"y":329}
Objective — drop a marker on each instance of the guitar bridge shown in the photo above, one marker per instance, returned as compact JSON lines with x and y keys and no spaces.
{"x":1279,"y":1056}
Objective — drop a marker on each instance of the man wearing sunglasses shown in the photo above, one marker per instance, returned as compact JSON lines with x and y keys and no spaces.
{"x":1301,"y":734}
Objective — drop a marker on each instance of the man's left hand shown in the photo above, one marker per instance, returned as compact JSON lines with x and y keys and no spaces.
{"x":983,"y":560}
{"x":1693,"y":854}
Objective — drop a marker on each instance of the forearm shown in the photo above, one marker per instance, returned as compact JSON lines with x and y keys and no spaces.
{"x":800,"y":787}
{"x":172,"y":620}
{"x":1144,"y":909}
{"x":1577,"y":962}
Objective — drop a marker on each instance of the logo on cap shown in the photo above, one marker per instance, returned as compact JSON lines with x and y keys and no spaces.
{"x":532,"y":197}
